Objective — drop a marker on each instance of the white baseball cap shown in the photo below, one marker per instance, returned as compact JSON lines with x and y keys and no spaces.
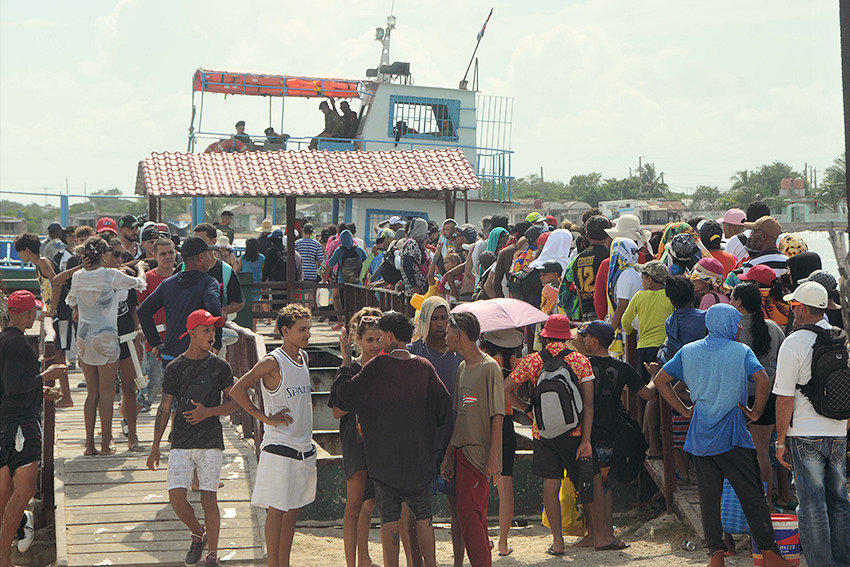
{"x":397,"y":220}
{"x":812,"y":294}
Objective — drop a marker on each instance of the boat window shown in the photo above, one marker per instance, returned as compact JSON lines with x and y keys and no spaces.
{"x":421,"y":117}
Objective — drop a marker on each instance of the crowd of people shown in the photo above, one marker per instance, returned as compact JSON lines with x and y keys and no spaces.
{"x":737,"y":340}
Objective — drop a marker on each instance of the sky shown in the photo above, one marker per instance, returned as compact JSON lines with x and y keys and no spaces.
{"x":700,"y":89}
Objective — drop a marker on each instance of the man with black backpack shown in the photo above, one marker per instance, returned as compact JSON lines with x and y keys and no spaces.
{"x":812,"y":407}
{"x":562,"y":418}
{"x":617,"y":438}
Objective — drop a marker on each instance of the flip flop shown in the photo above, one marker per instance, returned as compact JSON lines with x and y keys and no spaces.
{"x":136,"y":448}
{"x":551,"y":551}
{"x":615,"y":545}
{"x":510,"y":550}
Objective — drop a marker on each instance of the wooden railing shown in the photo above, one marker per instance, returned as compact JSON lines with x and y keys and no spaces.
{"x":242,"y":356}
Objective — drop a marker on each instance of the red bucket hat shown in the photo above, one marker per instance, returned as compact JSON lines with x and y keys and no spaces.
{"x":557,"y":327}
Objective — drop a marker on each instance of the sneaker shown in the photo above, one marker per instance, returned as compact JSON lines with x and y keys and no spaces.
{"x":81,"y":385}
{"x":193,"y":556}
{"x":125,"y":429}
{"x":211,"y":560}
{"x":28,"y":529}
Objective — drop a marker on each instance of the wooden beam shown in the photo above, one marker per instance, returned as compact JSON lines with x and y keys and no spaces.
{"x":290,"y":250}
{"x":153,"y":208}
{"x":450,"y":198}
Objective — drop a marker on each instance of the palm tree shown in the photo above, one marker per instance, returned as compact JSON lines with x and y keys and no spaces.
{"x":651,"y":185}
{"x":834,"y":186}
{"x":741,"y":179}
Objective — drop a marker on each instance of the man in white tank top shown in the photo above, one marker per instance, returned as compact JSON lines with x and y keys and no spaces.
{"x":286,"y":473}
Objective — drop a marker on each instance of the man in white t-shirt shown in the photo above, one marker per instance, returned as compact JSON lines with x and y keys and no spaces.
{"x":733,"y":230}
{"x":817,"y":445}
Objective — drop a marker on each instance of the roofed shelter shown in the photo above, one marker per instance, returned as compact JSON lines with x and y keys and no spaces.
{"x":437,"y":173}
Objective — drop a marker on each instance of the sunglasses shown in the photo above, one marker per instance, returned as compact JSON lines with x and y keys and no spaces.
{"x":369,"y":320}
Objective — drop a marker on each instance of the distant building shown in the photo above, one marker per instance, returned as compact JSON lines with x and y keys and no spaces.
{"x":650,"y":212}
{"x":13,"y":225}
{"x":246,"y":216}
{"x":561,"y":210}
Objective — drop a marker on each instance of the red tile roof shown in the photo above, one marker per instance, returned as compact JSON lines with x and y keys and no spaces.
{"x":304,"y":173}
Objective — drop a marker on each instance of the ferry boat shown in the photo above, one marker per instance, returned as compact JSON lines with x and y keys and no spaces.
{"x":393,"y":113}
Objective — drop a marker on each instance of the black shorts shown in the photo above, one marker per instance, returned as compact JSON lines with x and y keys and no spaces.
{"x":353,"y":461}
{"x":30,"y":452}
{"x":390,"y":499}
{"x":768,"y":416}
{"x":553,"y":456}
{"x":125,"y":327}
{"x":508,"y":445}
{"x":65,"y":331}
{"x":646,"y":354}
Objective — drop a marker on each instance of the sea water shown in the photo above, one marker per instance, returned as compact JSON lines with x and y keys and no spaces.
{"x":818,"y":241}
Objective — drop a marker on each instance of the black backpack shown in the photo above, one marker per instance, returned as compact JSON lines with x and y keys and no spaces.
{"x":526,"y":285}
{"x":556,"y":398}
{"x":350,"y":265}
{"x":829,"y":387}
{"x":629,"y":448}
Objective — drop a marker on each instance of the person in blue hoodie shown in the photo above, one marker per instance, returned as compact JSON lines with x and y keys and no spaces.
{"x":179,"y":295}
{"x":716,"y":370}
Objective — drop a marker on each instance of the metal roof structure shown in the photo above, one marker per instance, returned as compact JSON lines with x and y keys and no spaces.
{"x":307,"y":173}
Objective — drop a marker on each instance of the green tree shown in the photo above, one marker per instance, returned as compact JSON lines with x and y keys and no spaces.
{"x":770,"y":176}
{"x":834,"y":186}
{"x":705,"y":197}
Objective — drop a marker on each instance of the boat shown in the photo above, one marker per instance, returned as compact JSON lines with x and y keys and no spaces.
{"x":393,"y":113}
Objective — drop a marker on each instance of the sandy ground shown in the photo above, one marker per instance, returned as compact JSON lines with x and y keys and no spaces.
{"x":654,"y":543}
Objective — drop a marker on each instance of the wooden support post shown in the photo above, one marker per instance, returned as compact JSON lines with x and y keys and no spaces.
{"x":666,"y":419}
{"x":449,"y":198}
{"x":290,"y":250}
{"x":153,"y":208}
{"x":466,"y":205}
{"x":49,"y":438}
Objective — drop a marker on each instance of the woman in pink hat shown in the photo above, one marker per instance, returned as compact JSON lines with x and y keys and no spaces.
{"x":707,"y":276}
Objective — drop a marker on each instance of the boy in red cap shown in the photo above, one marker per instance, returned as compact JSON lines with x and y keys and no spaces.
{"x":23,"y":390}
{"x":196,"y":384}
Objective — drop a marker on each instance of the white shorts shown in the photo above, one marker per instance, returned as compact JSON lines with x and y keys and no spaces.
{"x":283,"y":483}
{"x":183,"y":462}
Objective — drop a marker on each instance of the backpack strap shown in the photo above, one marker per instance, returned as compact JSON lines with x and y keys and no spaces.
{"x":546,"y":355}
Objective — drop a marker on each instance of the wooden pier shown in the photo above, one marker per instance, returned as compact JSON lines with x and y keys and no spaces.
{"x":113,"y":510}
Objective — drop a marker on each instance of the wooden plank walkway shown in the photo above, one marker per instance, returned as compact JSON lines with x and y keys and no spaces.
{"x":112,"y":510}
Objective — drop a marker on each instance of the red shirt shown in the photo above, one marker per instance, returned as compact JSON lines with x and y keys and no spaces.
{"x":154,"y":279}
{"x":600,"y":292}
{"x":727,"y":260}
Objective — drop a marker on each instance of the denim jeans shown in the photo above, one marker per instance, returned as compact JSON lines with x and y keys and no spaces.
{"x":824,"y":509}
{"x":153,"y":370}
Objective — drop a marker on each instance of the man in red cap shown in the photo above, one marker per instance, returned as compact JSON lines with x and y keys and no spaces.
{"x":106,"y":226}
{"x":23,"y":389}
{"x":567,"y":450}
{"x":196,"y":385}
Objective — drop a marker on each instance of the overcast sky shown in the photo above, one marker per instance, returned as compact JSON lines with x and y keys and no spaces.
{"x":701,"y":89}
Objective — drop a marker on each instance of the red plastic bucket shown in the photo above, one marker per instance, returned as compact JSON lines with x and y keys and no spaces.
{"x":786,"y":532}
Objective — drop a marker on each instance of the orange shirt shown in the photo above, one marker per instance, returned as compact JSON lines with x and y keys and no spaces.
{"x":530,"y":366}
{"x":727,"y":260}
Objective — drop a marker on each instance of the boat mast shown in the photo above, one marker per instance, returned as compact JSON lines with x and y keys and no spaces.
{"x":383,"y":35}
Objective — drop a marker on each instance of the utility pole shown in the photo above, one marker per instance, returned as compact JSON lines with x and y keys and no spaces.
{"x":542,"y":185}
{"x":815,"y":174}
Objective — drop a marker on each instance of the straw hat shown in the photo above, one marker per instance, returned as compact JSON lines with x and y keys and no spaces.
{"x":628,"y":226}
{"x":265,"y":226}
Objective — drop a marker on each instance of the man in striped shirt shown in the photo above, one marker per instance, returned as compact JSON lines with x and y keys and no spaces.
{"x":311,"y":254}
{"x":762,"y":239}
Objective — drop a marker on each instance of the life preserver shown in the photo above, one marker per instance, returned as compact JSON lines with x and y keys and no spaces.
{"x":229,"y":146}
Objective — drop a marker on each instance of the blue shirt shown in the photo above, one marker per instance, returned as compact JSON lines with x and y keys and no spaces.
{"x":683,"y":326}
{"x":717,"y":379}
{"x":312,"y":255}
{"x":255,"y":267}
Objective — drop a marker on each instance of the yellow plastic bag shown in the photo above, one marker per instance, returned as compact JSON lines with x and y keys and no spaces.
{"x":572,"y":520}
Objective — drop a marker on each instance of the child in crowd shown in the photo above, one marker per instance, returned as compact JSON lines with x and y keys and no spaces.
{"x":685,"y":325}
{"x":550,"y":277}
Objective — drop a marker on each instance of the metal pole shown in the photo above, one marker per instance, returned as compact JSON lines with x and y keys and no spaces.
{"x":844,"y":17}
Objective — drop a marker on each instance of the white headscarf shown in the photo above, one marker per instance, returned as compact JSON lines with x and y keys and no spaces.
{"x":556,"y":249}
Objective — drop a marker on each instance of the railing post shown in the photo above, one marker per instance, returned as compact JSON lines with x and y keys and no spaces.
{"x":666,"y":419}
{"x":48,"y":445}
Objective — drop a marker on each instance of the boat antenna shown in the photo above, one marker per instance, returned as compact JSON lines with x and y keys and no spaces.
{"x":463,"y":82}
{"x":383,"y":35}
